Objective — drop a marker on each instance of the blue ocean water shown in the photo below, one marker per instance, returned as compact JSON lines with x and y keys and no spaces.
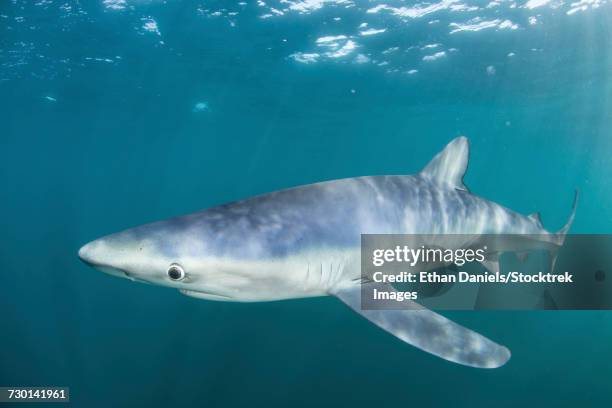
{"x":116,"y":113}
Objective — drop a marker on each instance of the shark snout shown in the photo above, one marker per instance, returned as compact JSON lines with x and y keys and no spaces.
{"x":87,"y":254}
{"x":99,"y":255}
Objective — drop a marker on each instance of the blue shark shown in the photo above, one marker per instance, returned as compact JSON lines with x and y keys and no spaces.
{"x":305,"y":242}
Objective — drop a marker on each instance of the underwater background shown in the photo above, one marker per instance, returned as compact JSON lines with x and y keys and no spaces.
{"x":116,"y":113}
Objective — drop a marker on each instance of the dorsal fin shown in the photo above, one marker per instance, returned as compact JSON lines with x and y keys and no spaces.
{"x":537,"y":218}
{"x":449,"y":166}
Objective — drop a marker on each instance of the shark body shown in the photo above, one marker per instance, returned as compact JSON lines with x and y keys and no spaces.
{"x":305,"y":242}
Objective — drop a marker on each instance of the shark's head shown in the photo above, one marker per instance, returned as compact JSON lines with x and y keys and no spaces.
{"x":135,"y":254}
{"x":209,"y":255}
{"x":169,"y":253}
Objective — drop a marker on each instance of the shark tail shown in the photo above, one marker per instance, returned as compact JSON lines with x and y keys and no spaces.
{"x":560,"y":235}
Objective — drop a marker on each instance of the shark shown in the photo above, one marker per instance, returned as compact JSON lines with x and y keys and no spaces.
{"x":305,"y":242}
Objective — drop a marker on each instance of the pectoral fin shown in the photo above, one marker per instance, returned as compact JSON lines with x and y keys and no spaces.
{"x":427,"y":330}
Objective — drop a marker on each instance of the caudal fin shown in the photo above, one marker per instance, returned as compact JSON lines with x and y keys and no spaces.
{"x":563,"y":231}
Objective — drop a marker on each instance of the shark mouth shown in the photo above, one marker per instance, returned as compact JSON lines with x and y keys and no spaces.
{"x":201,"y":294}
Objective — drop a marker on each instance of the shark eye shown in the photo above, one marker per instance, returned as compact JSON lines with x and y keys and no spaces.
{"x":176,"y":272}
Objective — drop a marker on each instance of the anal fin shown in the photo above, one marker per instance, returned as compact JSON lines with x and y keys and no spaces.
{"x":491,"y":263}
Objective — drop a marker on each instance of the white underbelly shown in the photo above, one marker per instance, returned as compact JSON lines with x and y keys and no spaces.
{"x":307,"y":274}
